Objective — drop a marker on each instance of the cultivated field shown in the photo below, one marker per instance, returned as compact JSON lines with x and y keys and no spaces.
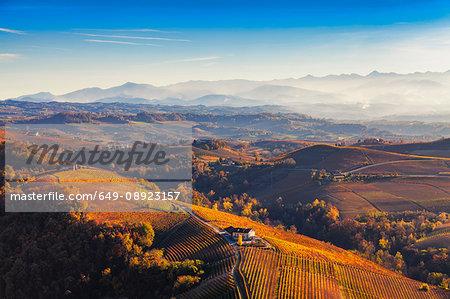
{"x":336,"y":158}
{"x":414,"y":168}
{"x":302,"y":244}
{"x":403,"y":182}
{"x":194,"y":240}
{"x":271,"y":274}
{"x":393,"y":195}
{"x":300,"y":267}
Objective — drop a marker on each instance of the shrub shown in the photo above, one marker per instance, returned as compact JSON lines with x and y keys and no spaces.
{"x":185,"y":282}
{"x":425,"y":287}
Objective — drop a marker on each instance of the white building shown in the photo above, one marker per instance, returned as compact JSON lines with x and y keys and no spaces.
{"x":246,"y":233}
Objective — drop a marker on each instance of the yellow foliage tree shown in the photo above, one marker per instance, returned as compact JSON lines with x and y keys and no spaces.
{"x":228,"y":206}
{"x":239,"y":242}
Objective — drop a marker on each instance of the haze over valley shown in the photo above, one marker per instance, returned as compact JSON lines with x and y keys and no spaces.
{"x":392,"y":96}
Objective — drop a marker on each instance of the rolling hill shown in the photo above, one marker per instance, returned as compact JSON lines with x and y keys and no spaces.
{"x":224,"y":153}
{"x":346,"y":96}
{"x":371,"y":180}
{"x":439,"y":148}
{"x":102,"y":190}
{"x":392,"y":195}
{"x":336,"y":158}
{"x":296,"y":266}
{"x":301,"y":267}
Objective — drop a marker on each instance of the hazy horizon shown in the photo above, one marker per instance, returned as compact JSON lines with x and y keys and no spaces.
{"x":72,"y":45}
{"x":106,"y":86}
{"x":346,"y":96}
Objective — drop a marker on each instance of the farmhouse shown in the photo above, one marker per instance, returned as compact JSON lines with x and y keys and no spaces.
{"x":246,"y":233}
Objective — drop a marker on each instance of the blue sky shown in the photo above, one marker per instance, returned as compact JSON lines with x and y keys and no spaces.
{"x":59,"y":47}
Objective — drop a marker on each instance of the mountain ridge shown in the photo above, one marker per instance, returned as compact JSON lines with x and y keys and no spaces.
{"x":344,"y":96}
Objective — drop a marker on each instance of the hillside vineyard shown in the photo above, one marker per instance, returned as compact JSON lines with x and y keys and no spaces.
{"x":224,"y":149}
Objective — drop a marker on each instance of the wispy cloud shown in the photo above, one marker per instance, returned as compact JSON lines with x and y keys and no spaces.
{"x":147,"y":30}
{"x":128,"y":30}
{"x":8,"y":56}
{"x":117,"y":42}
{"x":12,"y":31}
{"x":210,"y":63}
{"x":133,"y":37}
{"x":48,"y":48}
{"x":200,"y":58}
{"x":194,"y":59}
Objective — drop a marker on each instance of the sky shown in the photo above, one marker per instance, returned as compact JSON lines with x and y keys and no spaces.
{"x":61,"y":46}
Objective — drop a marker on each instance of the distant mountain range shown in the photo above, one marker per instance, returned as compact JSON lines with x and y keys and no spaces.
{"x":415,"y":96}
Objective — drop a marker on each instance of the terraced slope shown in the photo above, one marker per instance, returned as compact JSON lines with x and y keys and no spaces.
{"x":196,"y":241}
{"x":184,"y":237}
{"x":272,"y":274}
{"x":297,"y":266}
{"x":298,"y":243}
{"x":301,"y":267}
{"x":222,"y":287}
